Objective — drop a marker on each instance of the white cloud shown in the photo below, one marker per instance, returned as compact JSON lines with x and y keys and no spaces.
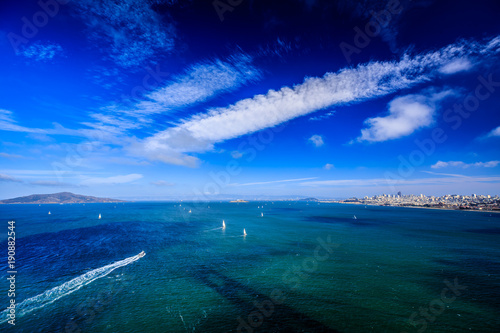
{"x":456,"y":66}
{"x":406,"y":115}
{"x":121,"y":179}
{"x":444,"y":174}
{"x":5,"y":155}
{"x":494,"y":133}
{"x":460,"y":164}
{"x":328,"y":166}
{"x":317,"y":140}
{"x":273,"y":182}
{"x":7,"y":123}
{"x":162,"y":183}
{"x":323,"y":116}
{"x":236,"y":154}
{"x":200,"y":132}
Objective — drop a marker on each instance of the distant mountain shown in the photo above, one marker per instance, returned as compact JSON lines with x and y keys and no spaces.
{"x":63,"y":197}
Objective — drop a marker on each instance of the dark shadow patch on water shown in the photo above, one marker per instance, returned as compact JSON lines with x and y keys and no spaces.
{"x":480,"y":275}
{"x":489,"y":231}
{"x":281,"y":319}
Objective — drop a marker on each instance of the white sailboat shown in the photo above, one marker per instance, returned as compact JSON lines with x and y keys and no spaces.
{"x":223,"y":224}
{"x":261,"y":214}
{"x":49,"y":212}
{"x":190,"y":211}
{"x":354,"y":217}
{"x":244,"y":232}
{"x":99,"y":216}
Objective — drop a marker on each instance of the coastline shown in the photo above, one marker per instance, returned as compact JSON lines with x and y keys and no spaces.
{"x":419,"y":207}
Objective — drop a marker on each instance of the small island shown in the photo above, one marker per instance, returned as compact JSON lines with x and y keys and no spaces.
{"x":57,"y":198}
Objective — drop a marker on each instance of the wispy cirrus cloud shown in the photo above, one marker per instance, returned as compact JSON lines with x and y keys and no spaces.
{"x":349,"y":85}
{"x":42,"y":52}
{"x":120,"y":179}
{"x":200,"y":82}
{"x":460,"y":164}
{"x":50,"y":183}
{"x":7,"y":178}
{"x":8,"y":123}
{"x":323,"y":116}
{"x":273,"y":182}
{"x":11,"y":156}
{"x":128,"y":32}
{"x":196,"y":84}
{"x":385,"y":181}
{"x":406,"y":115}
{"x":162,"y":183}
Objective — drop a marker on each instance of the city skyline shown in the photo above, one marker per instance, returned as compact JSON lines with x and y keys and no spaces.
{"x":200,"y":100}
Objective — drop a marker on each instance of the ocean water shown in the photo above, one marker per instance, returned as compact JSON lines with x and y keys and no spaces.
{"x":302,"y":267}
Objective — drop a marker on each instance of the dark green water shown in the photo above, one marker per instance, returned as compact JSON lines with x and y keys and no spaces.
{"x":303,"y":267}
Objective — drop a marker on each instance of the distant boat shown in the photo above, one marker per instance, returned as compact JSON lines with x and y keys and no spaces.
{"x":190,"y":210}
{"x":244,"y":232}
{"x":99,"y":216}
{"x":354,"y":217}
{"x":49,"y":212}
{"x":142,"y":254}
{"x":223,"y":224}
{"x":262,"y":214}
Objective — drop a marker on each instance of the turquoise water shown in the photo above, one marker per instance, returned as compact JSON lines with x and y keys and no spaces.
{"x":302,"y":267}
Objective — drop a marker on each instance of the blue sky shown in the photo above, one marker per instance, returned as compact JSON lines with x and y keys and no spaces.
{"x":204,"y":100}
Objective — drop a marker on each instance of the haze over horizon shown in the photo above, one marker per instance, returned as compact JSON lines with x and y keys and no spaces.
{"x":202,"y":100}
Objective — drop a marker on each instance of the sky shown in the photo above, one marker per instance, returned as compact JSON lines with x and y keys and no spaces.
{"x":206,"y":100}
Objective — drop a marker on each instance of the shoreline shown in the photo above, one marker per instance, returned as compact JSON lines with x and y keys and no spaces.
{"x":420,"y":207}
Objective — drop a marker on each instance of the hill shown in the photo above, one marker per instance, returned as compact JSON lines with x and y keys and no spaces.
{"x":62,"y":197}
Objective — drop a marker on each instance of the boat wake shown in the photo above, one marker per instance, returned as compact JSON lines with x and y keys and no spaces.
{"x":52,"y":295}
